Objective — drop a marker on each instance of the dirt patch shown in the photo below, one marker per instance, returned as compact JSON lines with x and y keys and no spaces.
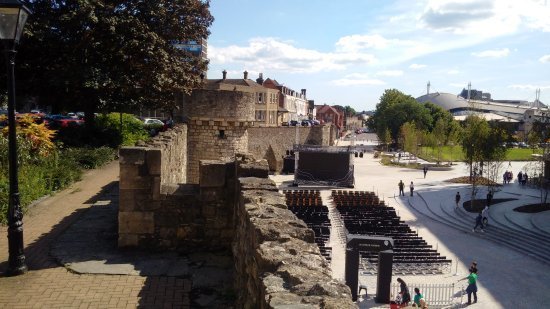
{"x":533,"y":208}
{"x":482,"y":181}
{"x":479,"y":204}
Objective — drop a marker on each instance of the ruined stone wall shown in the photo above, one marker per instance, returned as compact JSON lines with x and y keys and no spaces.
{"x":172,"y":145}
{"x":218,"y":122}
{"x":277,"y":262}
{"x":158,"y":212}
{"x":272,"y":143}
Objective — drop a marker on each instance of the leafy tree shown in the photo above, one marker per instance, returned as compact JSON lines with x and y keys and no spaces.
{"x":409,"y":135}
{"x":111,"y":55}
{"x":483,"y":149}
{"x":395,"y":109}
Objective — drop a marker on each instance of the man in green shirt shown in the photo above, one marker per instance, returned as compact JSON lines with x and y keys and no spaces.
{"x":472,"y":285}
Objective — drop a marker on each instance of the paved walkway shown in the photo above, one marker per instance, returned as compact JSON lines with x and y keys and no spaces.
{"x":49,"y":285}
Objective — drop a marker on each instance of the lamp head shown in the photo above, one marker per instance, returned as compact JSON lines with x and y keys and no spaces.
{"x":13,"y":16}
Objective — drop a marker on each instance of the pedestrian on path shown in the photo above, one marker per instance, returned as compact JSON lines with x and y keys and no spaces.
{"x":412,"y":188}
{"x":457,"y":199}
{"x":479,"y":222}
{"x":472,"y":285}
{"x":404,"y":293}
{"x":485,"y":215}
{"x":520,"y":177}
{"x":401,"y":188}
{"x":525,"y":178}
{"x":489,"y":197}
{"x":425,"y":171}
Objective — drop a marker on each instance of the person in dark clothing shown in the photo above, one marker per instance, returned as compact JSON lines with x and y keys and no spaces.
{"x":411,"y":186}
{"x":457,"y":199}
{"x":404,"y":292}
{"x":479,"y":222}
{"x":489,"y":198}
{"x":520,"y":177}
{"x":425,"y":171}
{"x":401,"y":188}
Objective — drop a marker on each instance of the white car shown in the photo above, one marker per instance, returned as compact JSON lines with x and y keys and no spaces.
{"x":152,"y":121}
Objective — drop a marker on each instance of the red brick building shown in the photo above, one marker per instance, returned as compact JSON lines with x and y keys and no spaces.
{"x":329,"y":114}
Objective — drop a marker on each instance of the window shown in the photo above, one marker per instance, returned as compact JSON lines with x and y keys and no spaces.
{"x":260,"y":115}
{"x":260,"y":98}
{"x":221,"y":134}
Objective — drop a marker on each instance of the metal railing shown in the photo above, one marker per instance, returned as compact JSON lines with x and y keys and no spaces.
{"x":435,"y":295}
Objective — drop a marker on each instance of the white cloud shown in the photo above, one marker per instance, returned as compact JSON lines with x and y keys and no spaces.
{"x":416,"y":66}
{"x":485,"y":18}
{"x":453,"y":72}
{"x":274,"y":54}
{"x":494,"y":53}
{"x":390,"y":73}
{"x":545,"y":59}
{"x":354,"y":43}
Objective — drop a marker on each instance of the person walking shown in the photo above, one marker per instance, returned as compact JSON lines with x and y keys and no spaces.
{"x":401,"y":188}
{"x":425,"y":171}
{"x":489,"y":197}
{"x":411,"y":186}
{"x":404,"y":293}
{"x":485,"y":215}
{"x":479,"y":222}
{"x":457,"y":199}
{"x":520,"y":177}
{"x":472,"y":285}
{"x":525,"y":178}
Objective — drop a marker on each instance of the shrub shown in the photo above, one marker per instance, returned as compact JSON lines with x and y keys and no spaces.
{"x":132,"y":128}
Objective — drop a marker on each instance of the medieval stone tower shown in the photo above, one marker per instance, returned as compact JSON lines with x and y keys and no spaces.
{"x":217,"y":126}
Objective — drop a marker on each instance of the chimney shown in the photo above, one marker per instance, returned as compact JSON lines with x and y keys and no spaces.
{"x":245,"y":74}
{"x":224,"y":74}
{"x":260,"y":79}
{"x":304,"y":93}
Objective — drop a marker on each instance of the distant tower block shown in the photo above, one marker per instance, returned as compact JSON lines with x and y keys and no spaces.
{"x":217,"y":126}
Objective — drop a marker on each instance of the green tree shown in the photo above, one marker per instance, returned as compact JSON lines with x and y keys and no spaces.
{"x":111,"y":55}
{"x":483,"y":150}
{"x":409,"y":135}
{"x":395,"y":109}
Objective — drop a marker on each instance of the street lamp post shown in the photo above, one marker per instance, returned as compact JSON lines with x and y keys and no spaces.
{"x":13,"y":15}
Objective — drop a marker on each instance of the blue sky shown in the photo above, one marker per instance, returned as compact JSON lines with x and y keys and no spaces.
{"x":349,"y":52}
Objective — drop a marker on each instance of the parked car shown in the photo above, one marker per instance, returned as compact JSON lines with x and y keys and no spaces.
{"x":62,"y":121}
{"x":294,"y":123}
{"x":153,"y":121}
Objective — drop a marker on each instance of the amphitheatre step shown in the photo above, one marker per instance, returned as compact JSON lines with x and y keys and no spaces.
{"x":529,"y":245}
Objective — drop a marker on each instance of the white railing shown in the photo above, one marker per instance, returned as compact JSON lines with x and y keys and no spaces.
{"x":436,"y":295}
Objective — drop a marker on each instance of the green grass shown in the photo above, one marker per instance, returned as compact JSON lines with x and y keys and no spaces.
{"x":455,"y":154}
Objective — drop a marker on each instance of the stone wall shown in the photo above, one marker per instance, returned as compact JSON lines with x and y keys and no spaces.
{"x":218,"y":122}
{"x":172,"y":145}
{"x":277,"y":263}
{"x":272,"y":143}
{"x":158,"y":212}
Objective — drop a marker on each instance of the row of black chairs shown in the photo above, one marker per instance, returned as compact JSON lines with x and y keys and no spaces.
{"x":303,"y":197}
{"x":316,"y":217}
{"x":362,"y":216}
